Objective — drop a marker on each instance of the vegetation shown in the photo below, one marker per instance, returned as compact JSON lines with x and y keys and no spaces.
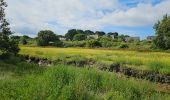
{"x":7,"y":45}
{"x":48,"y":38}
{"x":142,"y":60}
{"x":162,"y":29}
{"x":28,"y":81}
{"x":79,"y":37}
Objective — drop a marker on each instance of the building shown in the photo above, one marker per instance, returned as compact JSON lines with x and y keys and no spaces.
{"x":92,"y":37}
{"x":62,"y":38}
{"x":127,"y":39}
{"x":112,"y":36}
{"x":151,"y":38}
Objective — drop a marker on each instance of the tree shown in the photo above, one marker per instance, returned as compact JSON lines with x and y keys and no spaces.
{"x":70,"y":34}
{"x":100,"y":33}
{"x":47,"y":38}
{"x":7,"y":45}
{"x":122,"y":37}
{"x":162,"y":29}
{"x":88,"y":32}
{"x":115,"y":34}
{"x":24,"y":40}
{"x":79,"y":37}
{"x":93,"y":43}
{"x":80,"y":32}
{"x":105,"y":41}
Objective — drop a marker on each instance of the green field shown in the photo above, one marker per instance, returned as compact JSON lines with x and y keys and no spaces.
{"x":20,"y":80}
{"x":153,"y":61}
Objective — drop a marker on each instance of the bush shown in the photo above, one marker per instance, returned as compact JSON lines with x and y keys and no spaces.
{"x":79,"y":37}
{"x":93,"y":43}
{"x":74,"y":43}
{"x":47,"y":38}
{"x":105,"y":41}
{"x":123,"y":46}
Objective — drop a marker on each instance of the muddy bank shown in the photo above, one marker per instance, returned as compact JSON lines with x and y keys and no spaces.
{"x":147,"y":75}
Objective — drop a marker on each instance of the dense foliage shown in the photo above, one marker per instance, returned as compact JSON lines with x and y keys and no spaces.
{"x":93,"y":43}
{"x":48,"y":38}
{"x":79,"y":37}
{"x":7,"y":45}
{"x":162,"y":29}
{"x":27,"y":81}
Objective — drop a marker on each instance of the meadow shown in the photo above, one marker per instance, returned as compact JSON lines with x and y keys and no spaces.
{"x":20,"y":80}
{"x":142,"y":60}
{"x":26,"y":81}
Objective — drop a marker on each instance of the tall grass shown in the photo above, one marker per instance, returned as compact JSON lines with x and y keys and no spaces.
{"x":154,"y":61}
{"x":70,"y":83}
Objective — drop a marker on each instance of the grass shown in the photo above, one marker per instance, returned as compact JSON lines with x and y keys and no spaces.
{"x":59,"y":82}
{"x":154,"y":61}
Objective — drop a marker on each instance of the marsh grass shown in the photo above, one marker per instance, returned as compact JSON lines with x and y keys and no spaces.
{"x":71,"y":83}
{"x":154,"y":61}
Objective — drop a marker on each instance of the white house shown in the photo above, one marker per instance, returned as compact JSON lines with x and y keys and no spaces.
{"x":127,"y":39}
{"x":112,"y":36}
{"x":62,"y":38}
{"x":92,"y":37}
{"x":151,"y":38}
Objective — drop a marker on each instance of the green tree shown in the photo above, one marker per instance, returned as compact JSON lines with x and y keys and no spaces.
{"x":162,"y":29}
{"x":24,"y":40}
{"x":115,"y":34}
{"x":105,"y":41}
{"x":80,"y":32}
{"x":70,"y":34}
{"x":47,"y":38}
{"x":7,"y":45}
{"x":100,"y":33}
{"x":93,"y":43}
{"x":88,"y":32}
{"x":79,"y":37}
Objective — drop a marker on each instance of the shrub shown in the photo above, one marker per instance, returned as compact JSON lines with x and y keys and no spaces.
{"x":123,"y":46}
{"x":79,"y":37}
{"x":47,"y":38}
{"x":105,"y":41}
{"x":93,"y":43}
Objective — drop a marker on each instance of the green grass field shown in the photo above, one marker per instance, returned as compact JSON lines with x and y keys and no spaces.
{"x":26,"y":81}
{"x":23,"y":81}
{"x":154,"y":61}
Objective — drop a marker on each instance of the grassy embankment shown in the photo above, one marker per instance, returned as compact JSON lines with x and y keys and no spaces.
{"x":24,"y":81}
{"x":153,"y":61}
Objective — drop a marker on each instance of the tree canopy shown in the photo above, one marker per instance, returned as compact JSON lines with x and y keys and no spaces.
{"x":47,"y":38}
{"x":162,"y":29}
{"x":79,"y":37}
{"x":7,"y":45}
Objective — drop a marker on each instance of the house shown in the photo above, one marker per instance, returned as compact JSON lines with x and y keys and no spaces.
{"x":151,"y":38}
{"x":62,"y":38}
{"x":112,"y":36}
{"x":127,"y":39}
{"x":92,"y":37}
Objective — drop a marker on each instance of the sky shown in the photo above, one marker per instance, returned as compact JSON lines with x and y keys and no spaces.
{"x":131,"y":17}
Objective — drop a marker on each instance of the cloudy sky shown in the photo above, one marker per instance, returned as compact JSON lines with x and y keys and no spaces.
{"x":132,"y":17}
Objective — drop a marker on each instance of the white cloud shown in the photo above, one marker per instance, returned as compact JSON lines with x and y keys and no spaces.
{"x":60,"y":15}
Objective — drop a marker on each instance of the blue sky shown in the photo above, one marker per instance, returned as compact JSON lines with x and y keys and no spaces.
{"x":131,"y":17}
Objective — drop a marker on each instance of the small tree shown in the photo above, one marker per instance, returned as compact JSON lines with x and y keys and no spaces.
{"x":100,"y":33}
{"x":7,"y":45}
{"x":70,"y":34}
{"x":89,"y":32}
{"x":162,"y":29}
{"x":47,"y":38}
{"x":24,"y":41}
{"x":79,"y":37}
{"x":93,"y":43}
{"x":115,"y":34}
